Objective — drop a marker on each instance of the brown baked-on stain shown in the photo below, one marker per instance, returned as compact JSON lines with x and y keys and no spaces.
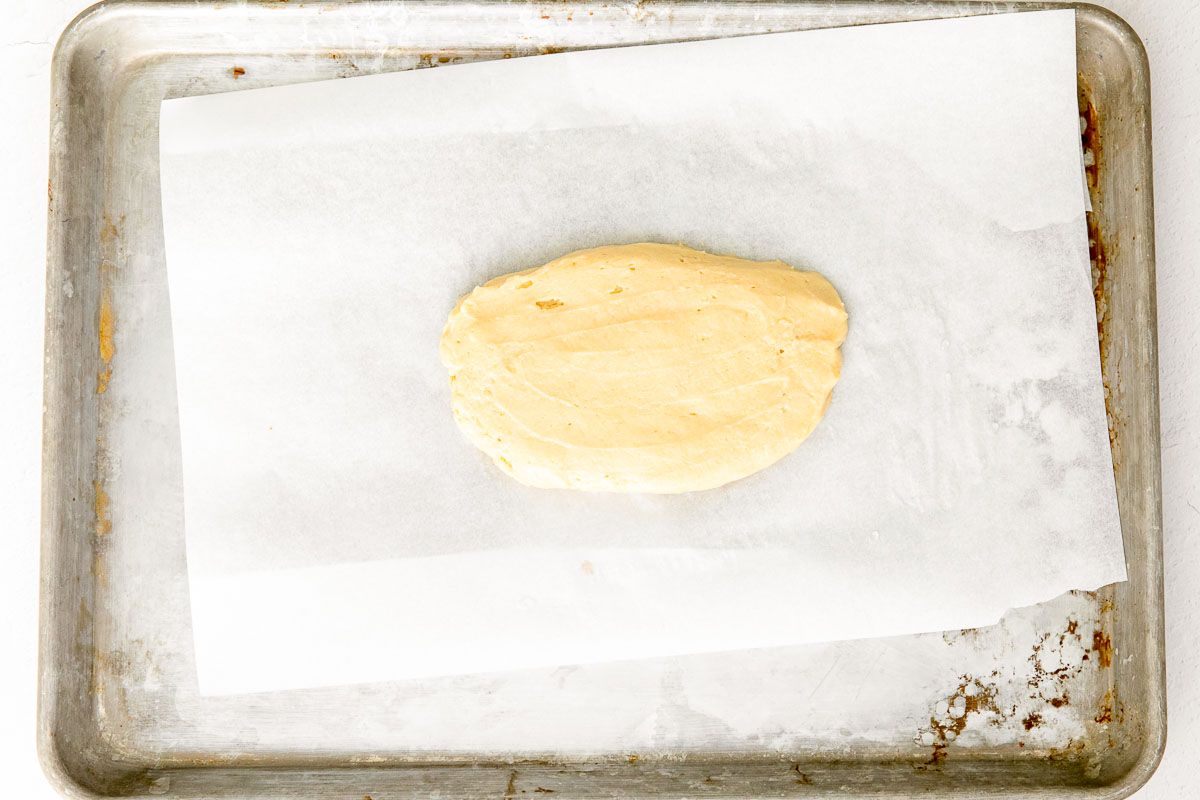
{"x":108,"y":348}
{"x":101,"y":506}
{"x":1071,"y":751}
{"x":1050,"y":686}
{"x":1091,"y":139}
{"x":1098,"y":253}
{"x":109,"y":230}
{"x":106,"y":320}
{"x":1046,"y":685}
{"x":1093,"y":149}
{"x":238,"y":72}
{"x":100,"y":569}
{"x":50,"y":190}
{"x":981,"y":698}
{"x":107,"y":341}
{"x":1102,"y":647}
{"x":1105,"y":714}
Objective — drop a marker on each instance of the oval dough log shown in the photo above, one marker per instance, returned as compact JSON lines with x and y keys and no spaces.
{"x":643,"y":367}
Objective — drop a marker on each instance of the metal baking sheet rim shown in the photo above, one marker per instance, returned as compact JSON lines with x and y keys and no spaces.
{"x":65,"y":613}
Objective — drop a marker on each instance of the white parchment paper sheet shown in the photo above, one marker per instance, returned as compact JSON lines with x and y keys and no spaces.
{"x":341,"y":530}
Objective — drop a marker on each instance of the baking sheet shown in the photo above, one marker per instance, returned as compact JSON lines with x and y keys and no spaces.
{"x":961,"y":397}
{"x":119,"y":713}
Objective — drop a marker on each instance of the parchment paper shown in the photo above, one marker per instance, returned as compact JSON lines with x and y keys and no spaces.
{"x":339,"y":527}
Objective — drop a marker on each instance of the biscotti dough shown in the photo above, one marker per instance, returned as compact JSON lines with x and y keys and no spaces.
{"x":643,"y":367}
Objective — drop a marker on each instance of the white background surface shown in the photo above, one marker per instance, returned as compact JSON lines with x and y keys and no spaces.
{"x":28,"y":29}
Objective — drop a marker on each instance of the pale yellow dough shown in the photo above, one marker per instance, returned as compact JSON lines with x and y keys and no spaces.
{"x":643,"y":367}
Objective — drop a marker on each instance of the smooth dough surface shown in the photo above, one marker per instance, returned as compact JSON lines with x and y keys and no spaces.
{"x":643,"y":367}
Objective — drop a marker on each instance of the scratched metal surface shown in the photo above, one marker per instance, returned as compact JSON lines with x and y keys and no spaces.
{"x":1063,"y":700}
